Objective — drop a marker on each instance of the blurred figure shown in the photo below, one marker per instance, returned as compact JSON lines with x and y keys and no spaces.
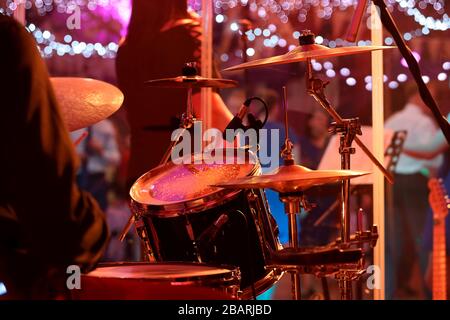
{"x":162,"y":37}
{"x":438,"y":145}
{"x":117,"y":215}
{"x":313,"y":145}
{"x":316,"y":139}
{"x":99,"y":155}
{"x":410,"y":199}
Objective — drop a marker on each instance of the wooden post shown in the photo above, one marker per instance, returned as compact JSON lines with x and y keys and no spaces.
{"x":19,"y":13}
{"x":207,"y":60}
{"x":378,"y":148}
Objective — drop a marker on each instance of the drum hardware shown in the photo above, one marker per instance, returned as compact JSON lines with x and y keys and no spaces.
{"x":190,"y":233}
{"x":166,"y":196}
{"x":292,"y":201}
{"x":348,"y":130}
{"x":393,"y":151}
{"x":253,"y":123}
{"x":142,"y":280}
{"x":291,"y":193}
{"x":188,"y":80}
{"x":290,"y":181}
{"x":306,"y":50}
{"x":187,"y":119}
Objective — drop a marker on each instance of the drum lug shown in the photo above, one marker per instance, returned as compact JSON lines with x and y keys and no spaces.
{"x":142,"y":233}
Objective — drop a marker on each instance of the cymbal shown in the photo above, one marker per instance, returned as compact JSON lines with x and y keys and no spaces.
{"x":304,"y":52}
{"x":193,"y":82}
{"x":291,"y":178}
{"x":84,"y":102}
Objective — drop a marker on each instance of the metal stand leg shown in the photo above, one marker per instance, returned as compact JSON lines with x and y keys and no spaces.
{"x":326,"y":290}
{"x":292,"y":205}
{"x":293,"y":243}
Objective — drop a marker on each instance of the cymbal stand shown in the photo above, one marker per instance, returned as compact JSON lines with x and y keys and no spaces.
{"x":187,"y":118}
{"x":293,"y":202}
{"x":348,"y":129}
{"x":186,"y":122}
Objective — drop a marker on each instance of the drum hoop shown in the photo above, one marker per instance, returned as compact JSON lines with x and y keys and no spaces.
{"x":231,"y":275}
{"x":273,"y":275}
{"x":187,"y":207}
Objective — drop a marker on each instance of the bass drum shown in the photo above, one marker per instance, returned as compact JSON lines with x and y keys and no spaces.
{"x":180,"y":216}
{"x":158,"y":281}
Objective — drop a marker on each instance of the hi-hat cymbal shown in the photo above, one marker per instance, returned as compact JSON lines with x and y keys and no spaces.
{"x":84,"y":102}
{"x":192,"y":82}
{"x":291,"y":178}
{"x":304,"y":52}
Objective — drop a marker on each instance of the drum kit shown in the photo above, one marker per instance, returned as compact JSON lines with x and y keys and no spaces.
{"x":209,"y":225}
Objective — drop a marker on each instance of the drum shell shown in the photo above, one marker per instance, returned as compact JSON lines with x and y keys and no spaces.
{"x":244,"y":241}
{"x":222,"y":286}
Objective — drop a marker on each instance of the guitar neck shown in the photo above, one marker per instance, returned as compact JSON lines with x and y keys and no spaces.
{"x":439,"y":261}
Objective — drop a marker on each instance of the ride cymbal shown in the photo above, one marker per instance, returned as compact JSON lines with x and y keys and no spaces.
{"x":291,"y":178}
{"x":305,"y":52}
{"x":84,"y":102}
{"x":192,"y":82}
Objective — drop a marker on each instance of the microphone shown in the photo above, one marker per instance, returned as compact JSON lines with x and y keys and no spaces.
{"x":356,"y":21}
{"x":236,"y":122}
{"x":211,"y":232}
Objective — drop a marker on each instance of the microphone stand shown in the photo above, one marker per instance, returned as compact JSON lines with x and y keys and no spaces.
{"x":390,"y":25}
{"x":245,"y":25}
{"x":348,"y":129}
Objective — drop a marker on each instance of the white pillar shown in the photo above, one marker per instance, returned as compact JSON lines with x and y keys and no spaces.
{"x":207,"y":60}
{"x":378,"y":147}
{"x":19,"y":13}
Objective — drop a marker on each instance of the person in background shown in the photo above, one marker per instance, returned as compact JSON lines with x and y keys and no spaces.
{"x":438,"y":145}
{"x":99,"y":154}
{"x":315,"y":141}
{"x":162,"y":37}
{"x":410,"y":199}
{"x":46,"y":222}
{"x":313,"y":145}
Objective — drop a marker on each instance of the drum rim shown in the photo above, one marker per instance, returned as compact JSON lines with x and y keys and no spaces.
{"x":232,"y":273}
{"x":194,"y":205}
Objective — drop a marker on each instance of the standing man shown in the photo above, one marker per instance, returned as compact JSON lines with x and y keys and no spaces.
{"x":410,"y":200}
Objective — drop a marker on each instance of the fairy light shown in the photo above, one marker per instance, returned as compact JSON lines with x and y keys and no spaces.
{"x":442,"y":76}
{"x":266,"y":30}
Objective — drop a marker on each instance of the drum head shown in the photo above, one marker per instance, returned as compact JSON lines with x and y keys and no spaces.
{"x":160,"y":271}
{"x":180,"y":183}
{"x":158,"y":281}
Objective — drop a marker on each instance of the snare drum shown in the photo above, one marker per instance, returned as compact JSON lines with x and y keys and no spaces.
{"x":158,"y":281}
{"x":180,"y":217}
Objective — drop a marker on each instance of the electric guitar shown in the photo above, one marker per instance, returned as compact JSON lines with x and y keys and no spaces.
{"x":439,"y":203}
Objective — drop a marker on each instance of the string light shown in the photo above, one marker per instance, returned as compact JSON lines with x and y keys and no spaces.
{"x":120,"y":10}
{"x":49,"y":46}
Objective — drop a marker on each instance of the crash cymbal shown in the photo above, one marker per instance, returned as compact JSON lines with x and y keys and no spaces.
{"x":192,"y":82}
{"x":291,"y":178}
{"x":304,"y":52}
{"x":84,"y":102}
